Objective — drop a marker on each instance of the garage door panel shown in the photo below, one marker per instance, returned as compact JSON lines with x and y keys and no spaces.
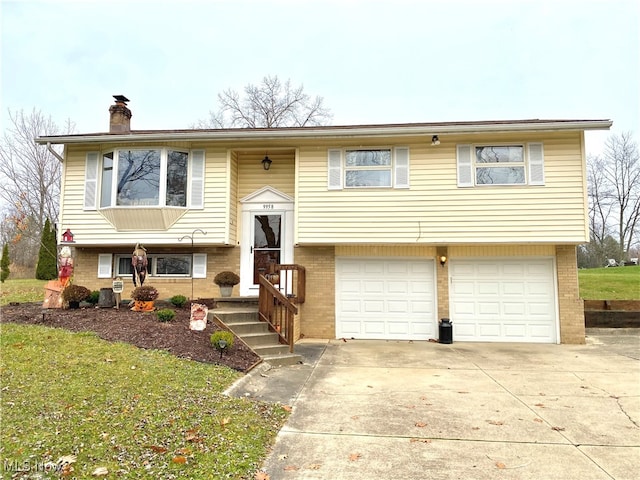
{"x":372,"y":287}
{"x":539,"y":288}
{"x":351,"y":286}
{"x":503,"y":300}
{"x":398,"y":268}
{"x":387,"y":298}
{"x":397,"y":287}
{"x":487,"y":269}
{"x":488,"y":308}
{"x":374,"y":327}
{"x":487,"y":331}
{"x":373,"y":306}
{"x":424,"y":308}
{"x":513,"y":288}
{"x":514,"y":309}
{"x":461,"y":287}
{"x":541,"y":332}
{"x":350,"y":306}
{"x":373,"y":269}
{"x":398,"y":306}
{"x":515,"y":331}
{"x":398,"y":328}
{"x":488,"y":288}
{"x":514,"y":269}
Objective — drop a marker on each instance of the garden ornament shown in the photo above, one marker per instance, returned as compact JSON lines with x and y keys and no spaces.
{"x":65,"y":266}
{"x":139,"y":263}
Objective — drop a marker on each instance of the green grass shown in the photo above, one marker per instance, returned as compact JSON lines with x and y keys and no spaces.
{"x":22,"y":290}
{"x":616,"y":283}
{"x":138,"y":413}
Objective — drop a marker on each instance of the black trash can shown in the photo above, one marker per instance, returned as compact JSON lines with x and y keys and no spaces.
{"x":446,"y":331}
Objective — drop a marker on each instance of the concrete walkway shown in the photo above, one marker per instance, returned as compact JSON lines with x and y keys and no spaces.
{"x":417,"y":410}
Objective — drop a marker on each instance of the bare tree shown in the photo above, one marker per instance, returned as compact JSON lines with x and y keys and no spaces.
{"x":269,"y":104}
{"x":614,"y":193}
{"x":29,"y":181}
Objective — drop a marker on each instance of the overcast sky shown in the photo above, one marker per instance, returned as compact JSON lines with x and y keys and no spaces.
{"x":373,"y":62}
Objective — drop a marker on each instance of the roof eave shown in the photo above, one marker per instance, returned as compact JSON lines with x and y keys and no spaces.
{"x":330,"y":132}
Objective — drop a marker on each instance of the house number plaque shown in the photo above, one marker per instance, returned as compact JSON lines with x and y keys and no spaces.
{"x":267,"y":206}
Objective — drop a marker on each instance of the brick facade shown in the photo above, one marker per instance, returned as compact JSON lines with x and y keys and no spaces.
{"x":318,"y":313}
{"x":570,"y":306}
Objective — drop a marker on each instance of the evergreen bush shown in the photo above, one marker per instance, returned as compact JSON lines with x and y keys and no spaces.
{"x":47,"y":268}
{"x":165,"y":315}
{"x":4,"y":264}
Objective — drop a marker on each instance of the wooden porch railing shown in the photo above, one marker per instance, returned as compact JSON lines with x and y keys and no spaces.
{"x":280,"y":290}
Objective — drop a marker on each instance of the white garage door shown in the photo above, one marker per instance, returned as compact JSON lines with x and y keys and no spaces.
{"x":385,"y":298}
{"x":503,"y":300}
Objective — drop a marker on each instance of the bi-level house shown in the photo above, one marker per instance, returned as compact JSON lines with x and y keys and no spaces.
{"x":397,"y":226}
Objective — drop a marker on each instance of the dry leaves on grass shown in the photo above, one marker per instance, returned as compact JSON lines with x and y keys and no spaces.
{"x":100,"y":472}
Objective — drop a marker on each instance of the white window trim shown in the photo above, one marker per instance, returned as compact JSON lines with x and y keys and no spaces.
{"x":195,"y":178}
{"x":533,"y":164}
{"x":400,"y":171}
{"x":198,"y":264}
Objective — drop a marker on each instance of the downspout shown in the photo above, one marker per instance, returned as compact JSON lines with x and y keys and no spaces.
{"x":54,"y":153}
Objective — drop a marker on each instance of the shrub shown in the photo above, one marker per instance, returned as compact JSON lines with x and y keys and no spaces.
{"x":94,"y":297}
{"x":4,"y":264}
{"x":165,"y":314}
{"x":226,"y":278}
{"x":178,"y":300}
{"x":75,"y":293}
{"x":47,"y":262}
{"x":222,"y":341}
{"x":145,"y":293}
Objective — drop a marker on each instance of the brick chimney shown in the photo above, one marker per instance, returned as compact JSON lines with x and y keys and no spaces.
{"x":120,"y":119}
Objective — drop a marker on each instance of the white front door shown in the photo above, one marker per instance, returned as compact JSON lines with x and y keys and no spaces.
{"x":267,"y":236}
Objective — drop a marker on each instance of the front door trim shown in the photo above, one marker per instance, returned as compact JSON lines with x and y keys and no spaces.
{"x":266,"y":200}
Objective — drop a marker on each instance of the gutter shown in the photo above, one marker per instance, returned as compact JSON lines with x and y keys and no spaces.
{"x":402,"y":130}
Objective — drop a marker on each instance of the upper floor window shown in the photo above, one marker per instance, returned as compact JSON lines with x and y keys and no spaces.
{"x":368,"y":168}
{"x":509,"y":164}
{"x":145,"y":177}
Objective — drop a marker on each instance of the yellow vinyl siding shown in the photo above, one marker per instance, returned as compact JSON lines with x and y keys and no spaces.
{"x":280,"y":176}
{"x":434,"y":210}
{"x":91,"y":227}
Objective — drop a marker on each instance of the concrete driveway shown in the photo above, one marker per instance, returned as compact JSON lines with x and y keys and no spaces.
{"x":416,"y":410}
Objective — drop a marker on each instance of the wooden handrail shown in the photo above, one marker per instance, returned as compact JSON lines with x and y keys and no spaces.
{"x":291,"y":280}
{"x":277,"y":311}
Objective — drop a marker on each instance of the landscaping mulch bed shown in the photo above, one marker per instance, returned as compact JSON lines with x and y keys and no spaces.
{"x":141,"y":329}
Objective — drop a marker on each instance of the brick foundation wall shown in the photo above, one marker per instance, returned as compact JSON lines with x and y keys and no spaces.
{"x":218,"y":259}
{"x":570,"y":306}
{"x":318,"y":313}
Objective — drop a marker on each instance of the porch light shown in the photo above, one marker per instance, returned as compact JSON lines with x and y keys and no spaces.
{"x":443,"y":260}
{"x":266,"y":162}
{"x":435,"y":140}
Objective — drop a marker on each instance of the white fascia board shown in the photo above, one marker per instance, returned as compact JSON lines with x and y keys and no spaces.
{"x":330,"y":132}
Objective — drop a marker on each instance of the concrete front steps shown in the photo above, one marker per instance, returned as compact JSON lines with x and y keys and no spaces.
{"x":241,"y":317}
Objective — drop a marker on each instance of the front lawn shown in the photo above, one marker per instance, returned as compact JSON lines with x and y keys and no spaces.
{"x":614,"y":283}
{"x":133,"y":413}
